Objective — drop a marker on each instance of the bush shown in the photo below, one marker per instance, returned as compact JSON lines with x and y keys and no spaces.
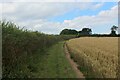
{"x":19,"y":44}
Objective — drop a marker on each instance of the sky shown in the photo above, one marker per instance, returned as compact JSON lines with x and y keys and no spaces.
{"x":52,"y":17}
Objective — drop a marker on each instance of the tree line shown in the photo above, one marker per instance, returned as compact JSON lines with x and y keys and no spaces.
{"x":88,"y":32}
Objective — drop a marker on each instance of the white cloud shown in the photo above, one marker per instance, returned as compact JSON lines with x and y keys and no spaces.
{"x":0,"y":11}
{"x":98,"y":5}
{"x":8,"y":7}
{"x":34,"y":10}
{"x":34,"y":16}
{"x":103,"y":19}
{"x":42,"y":10}
{"x":59,"y":0}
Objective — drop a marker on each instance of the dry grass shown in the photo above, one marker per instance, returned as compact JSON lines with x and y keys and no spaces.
{"x":98,"y":55}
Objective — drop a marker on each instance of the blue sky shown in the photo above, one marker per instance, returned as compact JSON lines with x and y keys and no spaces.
{"x":51,"y":18}
{"x":77,"y":12}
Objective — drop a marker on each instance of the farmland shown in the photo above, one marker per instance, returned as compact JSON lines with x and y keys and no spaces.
{"x":96,"y":56}
{"x":32,"y":54}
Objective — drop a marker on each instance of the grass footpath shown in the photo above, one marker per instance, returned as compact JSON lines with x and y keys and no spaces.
{"x":53,"y":64}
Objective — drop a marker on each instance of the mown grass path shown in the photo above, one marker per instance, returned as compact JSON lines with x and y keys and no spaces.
{"x":54,"y":64}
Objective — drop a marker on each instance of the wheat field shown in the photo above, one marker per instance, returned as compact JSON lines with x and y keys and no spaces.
{"x":97,"y":55}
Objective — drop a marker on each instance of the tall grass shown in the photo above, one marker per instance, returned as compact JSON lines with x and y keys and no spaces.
{"x":17,"y":43}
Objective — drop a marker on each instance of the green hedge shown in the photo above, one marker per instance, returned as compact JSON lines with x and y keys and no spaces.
{"x":17,"y":43}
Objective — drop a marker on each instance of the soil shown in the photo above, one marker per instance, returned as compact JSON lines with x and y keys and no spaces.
{"x":73,"y":64}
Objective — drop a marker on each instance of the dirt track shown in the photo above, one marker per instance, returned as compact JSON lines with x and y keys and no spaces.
{"x":73,"y":64}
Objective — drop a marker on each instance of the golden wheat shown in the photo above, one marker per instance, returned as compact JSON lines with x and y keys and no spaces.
{"x":101,"y":53}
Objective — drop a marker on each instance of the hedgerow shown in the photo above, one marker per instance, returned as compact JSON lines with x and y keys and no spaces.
{"x":18,"y":42}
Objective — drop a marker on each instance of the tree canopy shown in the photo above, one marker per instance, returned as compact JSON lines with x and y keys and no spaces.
{"x":88,"y":32}
{"x":68,"y":32}
{"x":113,"y":30}
{"x":85,"y":31}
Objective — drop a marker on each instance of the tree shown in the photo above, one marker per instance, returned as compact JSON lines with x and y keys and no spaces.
{"x":85,"y":31}
{"x":113,"y":30}
{"x":68,"y":32}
